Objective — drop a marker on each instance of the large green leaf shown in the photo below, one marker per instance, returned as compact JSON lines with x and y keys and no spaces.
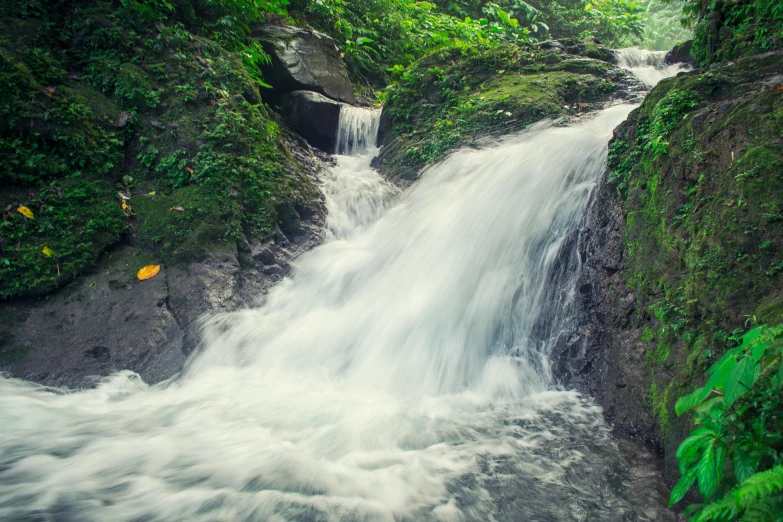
{"x":741,"y":379}
{"x":682,"y":486}
{"x":705,"y":472}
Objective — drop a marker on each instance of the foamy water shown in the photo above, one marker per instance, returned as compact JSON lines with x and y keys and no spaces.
{"x":396,"y":375}
{"x":647,"y":66}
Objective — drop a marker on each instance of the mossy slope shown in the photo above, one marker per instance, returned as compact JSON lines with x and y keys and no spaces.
{"x":454,"y":97}
{"x":101,"y":98}
{"x":698,"y":173}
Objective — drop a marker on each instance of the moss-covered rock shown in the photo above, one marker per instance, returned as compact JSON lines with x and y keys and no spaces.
{"x":101,"y":101}
{"x":454,"y":97}
{"x":684,"y":240}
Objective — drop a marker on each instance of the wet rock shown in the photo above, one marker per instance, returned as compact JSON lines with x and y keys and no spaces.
{"x":680,"y":53}
{"x":303,"y":60}
{"x":265,"y":256}
{"x":314,"y":116}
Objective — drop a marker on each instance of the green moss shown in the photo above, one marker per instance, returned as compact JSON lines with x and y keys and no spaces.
{"x":468,"y":94}
{"x":699,"y":175}
{"x":661,"y":405}
{"x":192,"y":130}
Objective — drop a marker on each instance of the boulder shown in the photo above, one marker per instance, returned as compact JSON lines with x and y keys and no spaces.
{"x":303,"y":60}
{"x":314,"y":116}
{"x":680,"y":53}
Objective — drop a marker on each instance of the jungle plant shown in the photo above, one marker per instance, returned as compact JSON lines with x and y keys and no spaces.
{"x":735,"y":451}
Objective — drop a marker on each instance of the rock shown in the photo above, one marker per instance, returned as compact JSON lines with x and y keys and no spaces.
{"x":303,"y":60}
{"x":551,"y":45}
{"x":265,"y":256}
{"x":680,"y":54}
{"x":314,"y":116}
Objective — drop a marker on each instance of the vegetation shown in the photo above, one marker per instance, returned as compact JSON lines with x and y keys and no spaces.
{"x":725,"y":31}
{"x":469,"y":93}
{"x":698,"y":172}
{"x":380,"y":38}
{"x":107,"y":101}
{"x":735,"y":452}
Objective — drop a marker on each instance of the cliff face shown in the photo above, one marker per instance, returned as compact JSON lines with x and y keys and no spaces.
{"x":681,"y":247}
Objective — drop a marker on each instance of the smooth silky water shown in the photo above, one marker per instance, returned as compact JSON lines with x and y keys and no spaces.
{"x":394,"y":375}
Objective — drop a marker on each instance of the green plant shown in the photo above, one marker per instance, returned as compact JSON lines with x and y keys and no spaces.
{"x":735,"y":452}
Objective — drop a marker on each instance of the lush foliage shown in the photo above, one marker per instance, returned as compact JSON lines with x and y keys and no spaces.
{"x":726,"y":31}
{"x":123,"y":99}
{"x":381,"y":37}
{"x":735,"y":452}
{"x":664,"y":26}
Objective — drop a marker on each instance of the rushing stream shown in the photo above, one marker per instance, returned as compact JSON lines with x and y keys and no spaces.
{"x":395,"y":375}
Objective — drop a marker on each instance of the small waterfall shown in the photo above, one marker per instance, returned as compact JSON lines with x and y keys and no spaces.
{"x":396,"y":375}
{"x":647,"y":66}
{"x":356,"y":195}
{"x":357,"y":130}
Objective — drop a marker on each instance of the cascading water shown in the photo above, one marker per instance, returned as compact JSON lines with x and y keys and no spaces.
{"x":393,"y":376}
{"x":648,"y":66}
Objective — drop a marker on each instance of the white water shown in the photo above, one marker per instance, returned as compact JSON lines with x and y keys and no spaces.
{"x":396,"y":375}
{"x":647,"y":66}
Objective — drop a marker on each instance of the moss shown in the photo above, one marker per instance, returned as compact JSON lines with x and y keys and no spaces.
{"x":120,"y":97}
{"x":468,"y":94}
{"x":699,"y":174}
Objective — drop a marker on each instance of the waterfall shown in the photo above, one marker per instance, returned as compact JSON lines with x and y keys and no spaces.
{"x":396,"y":374}
{"x":357,"y":129}
{"x":647,"y":66}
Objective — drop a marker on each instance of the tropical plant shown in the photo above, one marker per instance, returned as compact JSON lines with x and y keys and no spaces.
{"x":735,"y":452}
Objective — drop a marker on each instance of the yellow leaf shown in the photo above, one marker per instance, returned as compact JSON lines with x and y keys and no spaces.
{"x":189,"y":169}
{"x":26,"y":212}
{"x":151,"y":193}
{"x":148,"y":272}
{"x":48,"y":252}
{"x":125,"y":206}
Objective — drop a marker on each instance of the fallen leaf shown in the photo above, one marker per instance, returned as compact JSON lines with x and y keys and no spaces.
{"x":48,"y":252}
{"x":127,"y":208}
{"x":148,"y":272}
{"x":779,"y":89}
{"x":189,"y":169}
{"x":26,"y":212}
{"x":49,"y":91}
{"x":151,"y":193}
{"x":178,"y":209}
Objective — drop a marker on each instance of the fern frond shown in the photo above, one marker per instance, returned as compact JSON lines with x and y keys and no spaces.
{"x":751,"y":494}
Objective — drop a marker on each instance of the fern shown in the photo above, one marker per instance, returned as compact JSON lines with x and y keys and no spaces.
{"x":749,"y":498}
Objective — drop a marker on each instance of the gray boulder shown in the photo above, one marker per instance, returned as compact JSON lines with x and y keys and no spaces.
{"x":303,"y":60}
{"x":313,"y":116}
{"x":680,"y":53}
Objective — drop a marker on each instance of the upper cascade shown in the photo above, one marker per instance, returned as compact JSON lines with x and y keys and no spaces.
{"x":648,"y":66}
{"x":357,"y":130}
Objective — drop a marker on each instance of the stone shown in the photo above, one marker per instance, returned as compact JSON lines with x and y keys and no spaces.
{"x":314,"y":116}
{"x":680,"y":53}
{"x":303,"y":60}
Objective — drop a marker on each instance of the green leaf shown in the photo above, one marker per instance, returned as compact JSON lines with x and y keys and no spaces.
{"x":690,"y":401}
{"x":751,"y":335}
{"x":705,"y":472}
{"x":741,"y":379}
{"x":744,"y":466}
{"x":721,"y":375}
{"x":682,"y":486}
{"x":758,"y":351}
